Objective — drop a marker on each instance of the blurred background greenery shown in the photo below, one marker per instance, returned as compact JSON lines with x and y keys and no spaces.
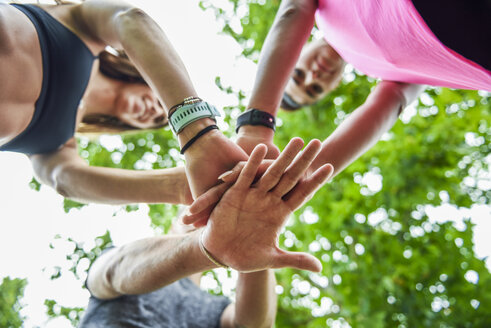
{"x":386,"y":262}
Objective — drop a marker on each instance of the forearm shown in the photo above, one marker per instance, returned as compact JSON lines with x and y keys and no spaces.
{"x":291,"y":29}
{"x":154,"y":56}
{"x":163,"y":68}
{"x":210,"y":156}
{"x":256,"y":300}
{"x":364,"y":127}
{"x":119,"y":186}
{"x":147,"y":265}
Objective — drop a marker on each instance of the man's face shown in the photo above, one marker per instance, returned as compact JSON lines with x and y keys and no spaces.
{"x":318,"y":71}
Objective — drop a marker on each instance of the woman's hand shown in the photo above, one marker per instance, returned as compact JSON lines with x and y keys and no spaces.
{"x":249,"y":136}
{"x":208,"y":158}
{"x":244,"y":227}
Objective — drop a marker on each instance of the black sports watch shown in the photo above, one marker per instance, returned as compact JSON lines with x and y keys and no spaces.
{"x":256,"y":117}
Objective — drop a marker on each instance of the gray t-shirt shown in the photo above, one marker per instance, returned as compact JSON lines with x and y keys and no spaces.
{"x":178,"y":305}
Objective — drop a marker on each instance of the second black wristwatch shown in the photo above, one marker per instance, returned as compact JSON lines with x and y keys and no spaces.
{"x":256,"y":117}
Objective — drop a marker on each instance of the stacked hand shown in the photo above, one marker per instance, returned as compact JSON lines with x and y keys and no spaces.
{"x":251,"y":135}
{"x":243,"y":228}
{"x":212,"y":155}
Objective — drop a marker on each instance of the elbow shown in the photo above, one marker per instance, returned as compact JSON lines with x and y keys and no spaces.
{"x":113,"y":277}
{"x":293,"y":10}
{"x":59,"y":180}
{"x":131,"y":12}
{"x":61,"y":190}
{"x":130,"y":23}
{"x":130,"y":16}
{"x":109,"y":278}
{"x":102,"y":275}
{"x":405,"y":93}
{"x":120,"y":272}
{"x":65,"y":177}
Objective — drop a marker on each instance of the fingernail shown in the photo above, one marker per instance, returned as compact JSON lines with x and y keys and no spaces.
{"x":223,"y":175}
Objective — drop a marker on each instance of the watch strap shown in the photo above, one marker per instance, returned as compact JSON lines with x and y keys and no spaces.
{"x":256,"y":117}
{"x":187,"y":114}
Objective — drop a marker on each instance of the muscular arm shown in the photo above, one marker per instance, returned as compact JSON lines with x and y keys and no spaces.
{"x":146,"y":265}
{"x":364,"y":127}
{"x":243,"y":232}
{"x":122,"y":25}
{"x":73,"y":178}
{"x":149,"y":49}
{"x":152,"y":263}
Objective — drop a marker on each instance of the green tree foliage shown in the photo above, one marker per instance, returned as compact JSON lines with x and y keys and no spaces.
{"x":386,"y":262}
{"x":11,"y":293}
{"x":79,"y":270}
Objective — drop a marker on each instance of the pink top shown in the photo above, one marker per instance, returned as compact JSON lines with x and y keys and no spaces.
{"x":388,"y":39}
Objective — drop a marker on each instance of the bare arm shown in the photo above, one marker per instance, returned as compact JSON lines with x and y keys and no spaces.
{"x":243,"y":235}
{"x":290,"y":30}
{"x":149,"y":264}
{"x":73,"y":178}
{"x":123,"y":25}
{"x":364,"y":127}
{"x":255,"y":301}
{"x":146,"y":265}
{"x":149,"y":49}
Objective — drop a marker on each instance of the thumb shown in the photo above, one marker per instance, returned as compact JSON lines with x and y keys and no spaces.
{"x":296,"y":260}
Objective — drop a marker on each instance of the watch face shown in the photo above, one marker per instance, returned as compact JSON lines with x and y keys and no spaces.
{"x":187,"y":114}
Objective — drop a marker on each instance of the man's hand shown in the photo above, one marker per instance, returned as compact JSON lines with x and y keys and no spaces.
{"x":244,"y":227}
{"x":249,"y":136}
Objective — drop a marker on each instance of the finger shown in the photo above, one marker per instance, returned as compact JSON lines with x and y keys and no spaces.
{"x":232,"y":175}
{"x":210,"y":197}
{"x":201,"y":223}
{"x":306,"y":189}
{"x":193,"y":218}
{"x":246,"y":177}
{"x":273,"y":175}
{"x":296,"y":260}
{"x":293,"y":174}
{"x":273,"y":152}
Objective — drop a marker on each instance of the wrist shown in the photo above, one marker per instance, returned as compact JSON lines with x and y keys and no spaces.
{"x":209,"y":255}
{"x":182,"y":185}
{"x":257,"y":131}
{"x":191,"y":110}
{"x":256,"y":117}
{"x":192,"y":129}
{"x":201,"y":258}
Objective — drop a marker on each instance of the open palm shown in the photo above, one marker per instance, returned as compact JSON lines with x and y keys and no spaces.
{"x":243,"y":229}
